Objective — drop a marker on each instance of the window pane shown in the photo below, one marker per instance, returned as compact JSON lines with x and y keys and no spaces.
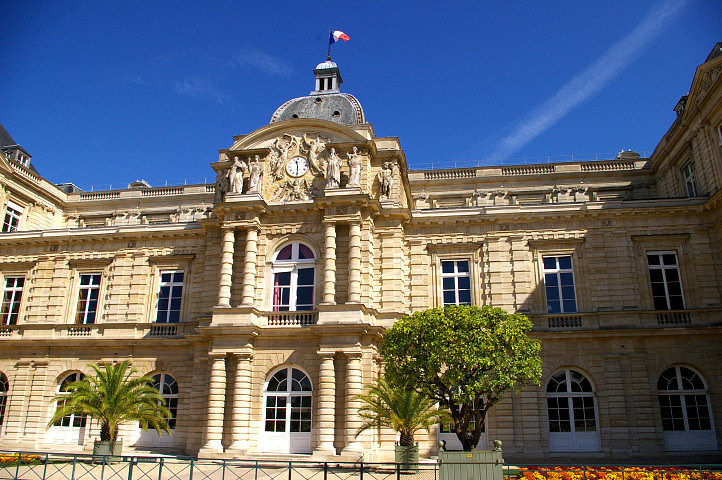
{"x":565,"y":263}
{"x":304,"y":252}
{"x":550,"y":263}
{"x":447,"y":267}
{"x":462,"y":266}
{"x":305,"y":276}
{"x":285,"y":253}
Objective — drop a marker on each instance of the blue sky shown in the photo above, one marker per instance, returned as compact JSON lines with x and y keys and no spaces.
{"x":104,"y":93}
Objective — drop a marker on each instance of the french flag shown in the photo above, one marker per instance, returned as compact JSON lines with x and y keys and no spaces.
{"x":337,"y":35}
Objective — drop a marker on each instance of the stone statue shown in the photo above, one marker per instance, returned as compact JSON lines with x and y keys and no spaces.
{"x":333,"y":170}
{"x":255,"y":176}
{"x":354,"y":166}
{"x":386,"y":181}
{"x":315,"y":147}
{"x":221,"y":187}
{"x":235,"y":176}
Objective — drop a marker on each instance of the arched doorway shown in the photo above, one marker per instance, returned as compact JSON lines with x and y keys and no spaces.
{"x":286,"y":427}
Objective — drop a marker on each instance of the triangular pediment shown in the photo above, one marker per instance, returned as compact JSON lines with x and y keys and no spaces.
{"x":705,"y":79}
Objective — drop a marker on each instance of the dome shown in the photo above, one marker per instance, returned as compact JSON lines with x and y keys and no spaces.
{"x":341,"y":108}
{"x":325,"y":102}
{"x":326,"y":64}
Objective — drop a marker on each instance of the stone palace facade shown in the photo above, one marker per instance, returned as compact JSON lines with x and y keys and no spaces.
{"x":258,"y":302}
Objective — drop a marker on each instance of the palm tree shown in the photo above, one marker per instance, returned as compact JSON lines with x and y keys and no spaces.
{"x":111,"y":397}
{"x":403,"y":410}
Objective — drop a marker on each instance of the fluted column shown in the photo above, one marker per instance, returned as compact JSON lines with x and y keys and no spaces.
{"x":226,"y":270}
{"x":354,"y":387}
{"x":241,"y":404}
{"x":354,"y":263}
{"x":249,"y":267}
{"x":326,"y":404}
{"x":216,"y":404}
{"x":329,"y":266}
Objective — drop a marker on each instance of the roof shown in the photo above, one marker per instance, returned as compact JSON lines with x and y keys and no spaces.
{"x":5,"y":139}
{"x":341,"y":108}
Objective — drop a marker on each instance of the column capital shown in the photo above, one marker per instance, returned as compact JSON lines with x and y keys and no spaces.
{"x":326,"y":353}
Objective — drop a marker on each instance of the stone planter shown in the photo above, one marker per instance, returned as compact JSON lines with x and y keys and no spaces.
{"x":477,"y":464}
{"x":407,"y":457}
{"x":109,"y":450}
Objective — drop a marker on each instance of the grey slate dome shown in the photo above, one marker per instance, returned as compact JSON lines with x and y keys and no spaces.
{"x":326,"y":102}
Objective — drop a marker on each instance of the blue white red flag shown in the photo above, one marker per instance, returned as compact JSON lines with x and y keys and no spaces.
{"x":337,"y":35}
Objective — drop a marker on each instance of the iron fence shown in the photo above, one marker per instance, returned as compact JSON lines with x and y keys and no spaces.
{"x":47,"y":466}
{"x":57,"y":466}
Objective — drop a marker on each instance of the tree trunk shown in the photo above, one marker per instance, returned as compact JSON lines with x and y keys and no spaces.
{"x":105,"y":432}
{"x":406,"y":439}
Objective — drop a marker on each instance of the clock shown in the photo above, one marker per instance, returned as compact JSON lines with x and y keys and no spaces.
{"x":297,"y":166}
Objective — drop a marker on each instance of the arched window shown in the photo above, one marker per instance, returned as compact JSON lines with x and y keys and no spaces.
{"x":294,"y":278}
{"x":685,"y":408}
{"x":168,"y":389}
{"x":72,"y":420}
{"x":287,"y":413}
{"x":571,"y":409}
{"x":4,"y":393}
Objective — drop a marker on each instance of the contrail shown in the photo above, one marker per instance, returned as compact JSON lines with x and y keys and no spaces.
{"x":590,"y":80}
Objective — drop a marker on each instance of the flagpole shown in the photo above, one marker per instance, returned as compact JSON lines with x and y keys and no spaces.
{"x":328,"y":57}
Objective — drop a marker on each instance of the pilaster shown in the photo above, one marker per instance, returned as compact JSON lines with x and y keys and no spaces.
{"x":354,"y":380}
{"x":241,"y":404}
{"x":329,"y":266}
{"x":326,"y":405}
{"x":249,"y":267}
{"x":354,"y":274}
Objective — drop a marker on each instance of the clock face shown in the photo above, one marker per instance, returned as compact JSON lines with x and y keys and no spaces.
{"x":297,"y":166}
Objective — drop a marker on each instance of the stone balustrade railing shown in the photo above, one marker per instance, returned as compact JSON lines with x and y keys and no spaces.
{"x":97,"y":330}
{"x":625,"y":319}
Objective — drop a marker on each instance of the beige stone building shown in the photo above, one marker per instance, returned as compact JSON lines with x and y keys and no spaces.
{"x":258,"y":302}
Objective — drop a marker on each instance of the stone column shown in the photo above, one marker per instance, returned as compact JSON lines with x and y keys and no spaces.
{"x":216,"y":403}
{"x":249,"y":267}
{"x":326,"y":405}
{"x":354,"y":387}
{"x":241,"y":404}
{"x":329,"y":266}
{"x":226,"y":270}
{"x":354,"y":263}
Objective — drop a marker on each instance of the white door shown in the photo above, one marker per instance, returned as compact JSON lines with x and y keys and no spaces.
{"x":286,"y":424}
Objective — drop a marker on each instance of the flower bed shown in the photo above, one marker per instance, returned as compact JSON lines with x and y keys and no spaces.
{"x":6,"y":460}
{"x":617,"y":473}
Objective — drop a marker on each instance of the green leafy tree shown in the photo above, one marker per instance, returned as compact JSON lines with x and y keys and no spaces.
{"x":464,"y":357}
{"x":112,"y":397}
{"x":402,"y":409}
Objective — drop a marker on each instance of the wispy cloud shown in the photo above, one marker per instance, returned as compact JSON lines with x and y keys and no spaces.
{"x":263,"y":62}
{"x":199,"y":89}
{"x":590,"y":80}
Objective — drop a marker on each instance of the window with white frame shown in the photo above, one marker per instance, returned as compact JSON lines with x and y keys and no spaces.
{"x":170,"y":294}
{"x":294,"y":278}
{"x":571,"y":412}
{"x":4,"y":394}
{"x":88,"y":294}
{"x":13,"y":213}
{"x":12,"y":295}
{"x":168,"y":388}
{"x":559,"y":284}
{"x":665,"y":281}
{"x":455,"y":282}
{"x":73,"y":420}
{"x":689,"y":183}
{"x":685,"y":408}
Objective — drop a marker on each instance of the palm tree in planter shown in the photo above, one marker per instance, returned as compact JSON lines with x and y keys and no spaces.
{"x":403,"y":410}
{"x":112,"y":397}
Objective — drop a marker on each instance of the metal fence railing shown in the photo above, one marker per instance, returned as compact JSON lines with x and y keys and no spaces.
{"x":56,"y":466}
{"x":47,"y":466}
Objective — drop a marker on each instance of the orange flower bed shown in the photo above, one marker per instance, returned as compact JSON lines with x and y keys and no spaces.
{"x":617,"y":473}
{"x":12,"y":459}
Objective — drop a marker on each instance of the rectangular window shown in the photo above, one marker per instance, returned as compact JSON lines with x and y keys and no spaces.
{"x":456,"y":282}
{"x":666,"y":283}
{"x":559,"y":284}
{"x":689,"y":184}
{"x":12,"y":294}
{"x":169,"y":297}
{"x":13,"y":212}
{"x":88,"y":293}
